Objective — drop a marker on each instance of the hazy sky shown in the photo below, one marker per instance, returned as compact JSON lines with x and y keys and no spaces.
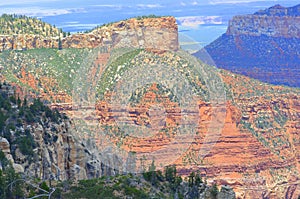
{"x":204,"y":20}
{"x":56,"y":7}
{"x":19,"y":2}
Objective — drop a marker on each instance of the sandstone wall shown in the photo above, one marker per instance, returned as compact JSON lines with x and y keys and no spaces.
{"x":257,"y":25}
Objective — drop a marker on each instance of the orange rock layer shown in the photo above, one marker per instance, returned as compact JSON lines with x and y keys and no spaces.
{"x":253,"y":167}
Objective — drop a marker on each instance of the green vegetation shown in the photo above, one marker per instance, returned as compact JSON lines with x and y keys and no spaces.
{"x":55,"y":70}
{"x":8,"y":175}
{"x":61,"y":66}
{"x":263,"y":122}
{"x":150,"y":184}
{"x":17,"y":114}
{"x":13,"y":186}
{"x":26,"y":145}
{"x":265,"y":130}
{"x":165,"y":186}
{"x":147,"y":17}
{"x":264,"y":110}
{"x":161,"y":90}
{"x":16,"y":118}
{"x":136,"y":58}
{"x":214,"y":191}
{"x":110,"y":75}
{"x":104,"y":188}
{"x":255,"y":88}
{"x":20,"y":24}
{"x":58,"y":65}
{"x":279,"y":116}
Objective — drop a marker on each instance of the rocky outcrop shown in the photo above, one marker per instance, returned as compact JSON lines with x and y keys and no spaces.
{"x":27,"y":41}
{"x":58,"y":155}
{"x":45,"y":147}
{"x":248,"y":159}
{"x":257,"y":152}
{"x":226,"y":192}
{"x":276,"y":21}
{"x":5,"y":148}
{"x":250,"y":152}
{"x":272,"y":26}
{"x":263,"y":46}
{"x":279,"y":10}
{"x":153,"y":33}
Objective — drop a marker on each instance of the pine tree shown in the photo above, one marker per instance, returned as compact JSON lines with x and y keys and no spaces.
{"x":198,"y":179}
{"x":59,"y":44}
{"x":191,"y":179}
{"x":214,"y":191}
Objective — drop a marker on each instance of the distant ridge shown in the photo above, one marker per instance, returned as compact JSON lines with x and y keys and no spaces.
{"x":21,"y":24}
{"x":279,"y":10}
{"x":264,"y":45}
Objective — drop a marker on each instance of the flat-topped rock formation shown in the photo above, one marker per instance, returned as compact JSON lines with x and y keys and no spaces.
{"x":264,"y":45}
{"x":160,"y":33}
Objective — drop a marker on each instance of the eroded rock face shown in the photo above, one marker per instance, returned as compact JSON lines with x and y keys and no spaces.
{"x":257,"y":159}
{"x":226,"y":192}
{"x":58,"y":155}
{"x":264,"y":45}
{"x":26,"y":41}
{"x":257,"y":25}
{"x":67,"y":157}
{"x":5,"y":148}
{"x":4,"y":145}
{"x":152,"y":33}
{"x":276,"y":21}
{"x":257,"y":152}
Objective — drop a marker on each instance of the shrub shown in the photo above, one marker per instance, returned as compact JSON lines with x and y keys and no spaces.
{"x":26,"y":145}
{"x":214,"y":191}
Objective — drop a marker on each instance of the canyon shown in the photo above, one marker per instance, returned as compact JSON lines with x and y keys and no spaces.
{"x":257,"y":151}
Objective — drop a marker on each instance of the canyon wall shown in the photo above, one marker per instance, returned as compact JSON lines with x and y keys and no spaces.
{"x":272,"y":26}
{"x":263,"y":45}
{"x":276,"y":21}
{"x":257,"y":160}
{"x":258,"y":149}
